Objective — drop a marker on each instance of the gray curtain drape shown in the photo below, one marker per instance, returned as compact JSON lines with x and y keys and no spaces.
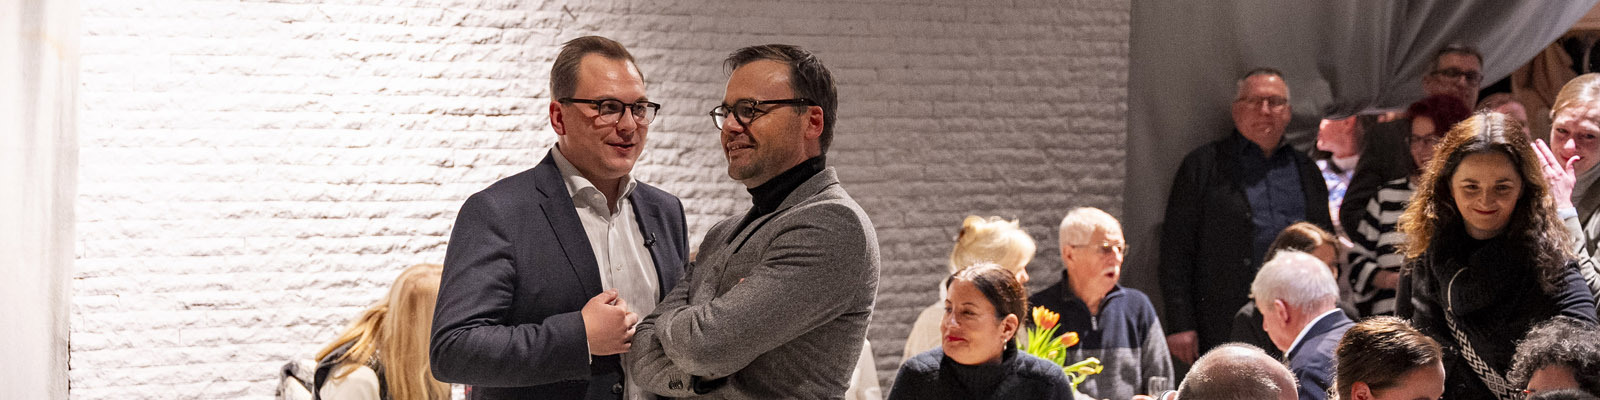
{"x":1341,"y":58}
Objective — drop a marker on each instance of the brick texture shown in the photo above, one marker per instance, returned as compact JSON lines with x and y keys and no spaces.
{"x":255,"y":173}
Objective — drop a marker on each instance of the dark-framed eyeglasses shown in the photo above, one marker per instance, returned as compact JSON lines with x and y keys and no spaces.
{"x":1105,"y":249}
{"x":611,"y":109}
{"x":1273,"y":102}
{"x":1452,"y":73}
{"x":1431,"y":141}
{"x":746,"y":111}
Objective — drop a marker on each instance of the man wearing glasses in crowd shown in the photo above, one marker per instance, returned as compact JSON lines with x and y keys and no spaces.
{"x":777,"y":303}
{"x":548,"y":270}
{"x":1456,"y":71}
{"x":1229,"y":200}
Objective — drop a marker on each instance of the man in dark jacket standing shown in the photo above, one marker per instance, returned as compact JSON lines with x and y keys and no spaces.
{"x":1229,"y":200}
{"x":548,"y":270}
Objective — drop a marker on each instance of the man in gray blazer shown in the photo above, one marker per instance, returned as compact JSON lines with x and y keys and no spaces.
{"x":777,"y":304}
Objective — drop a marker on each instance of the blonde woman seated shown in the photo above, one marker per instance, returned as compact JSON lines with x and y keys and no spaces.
{"x":986,"y":240}
{"x":384,"y":354}
{"x":978,"y":358}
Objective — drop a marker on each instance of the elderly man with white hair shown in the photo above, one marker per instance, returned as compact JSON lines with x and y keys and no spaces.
{"x":1118,"y":325}
{"x":1298,"y":300}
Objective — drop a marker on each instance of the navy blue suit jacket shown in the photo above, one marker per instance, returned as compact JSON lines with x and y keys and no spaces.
{"x":518,"y":271}
{"x":1311,"y":360}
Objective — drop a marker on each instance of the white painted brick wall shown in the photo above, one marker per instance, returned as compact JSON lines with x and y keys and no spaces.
{"x":255,"y":173}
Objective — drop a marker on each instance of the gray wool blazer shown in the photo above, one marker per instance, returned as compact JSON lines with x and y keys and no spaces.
{"x":776,"y":310}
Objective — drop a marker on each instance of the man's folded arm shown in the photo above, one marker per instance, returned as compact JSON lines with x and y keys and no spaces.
{"x":812,"y":272}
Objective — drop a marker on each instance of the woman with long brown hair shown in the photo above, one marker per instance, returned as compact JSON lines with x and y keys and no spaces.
{"x":1487,"y":256}
{"x":384,"y":353}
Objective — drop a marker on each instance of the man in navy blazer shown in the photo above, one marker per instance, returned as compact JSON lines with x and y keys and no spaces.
{"x":1299,"y":303}
{"x":548,"y":270}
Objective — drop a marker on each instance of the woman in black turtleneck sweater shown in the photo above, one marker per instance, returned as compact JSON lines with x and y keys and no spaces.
{"x":1486,"y":257}
{"x":977,"y":358}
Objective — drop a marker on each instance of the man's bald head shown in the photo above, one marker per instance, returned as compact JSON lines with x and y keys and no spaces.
{"x":1237,"y":371}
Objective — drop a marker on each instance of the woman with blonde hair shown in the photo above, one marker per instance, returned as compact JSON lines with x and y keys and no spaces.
{"x":1575,"y":138}
{"x":384,"y":353}
{"x":1487,"y":256}
{"x":982,"y":240}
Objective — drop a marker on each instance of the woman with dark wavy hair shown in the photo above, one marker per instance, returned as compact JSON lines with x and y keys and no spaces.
{"x":1487,"y":257}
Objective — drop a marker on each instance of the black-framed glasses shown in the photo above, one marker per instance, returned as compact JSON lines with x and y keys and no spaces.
{"x":1452,"y":73}
{"x":745,"y":111}
{"x":611,"y":109}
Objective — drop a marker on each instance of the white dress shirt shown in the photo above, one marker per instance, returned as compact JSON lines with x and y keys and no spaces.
{"x":617,"y":242}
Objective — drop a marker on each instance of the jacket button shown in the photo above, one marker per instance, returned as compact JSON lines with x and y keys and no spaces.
{"x":675,"y":385}
{"x":616,"y":388}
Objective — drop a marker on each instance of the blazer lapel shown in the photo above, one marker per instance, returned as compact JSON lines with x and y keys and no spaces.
{"x":563,"y":217}
{"x":653,"y":229}
{"x":816,"y":184}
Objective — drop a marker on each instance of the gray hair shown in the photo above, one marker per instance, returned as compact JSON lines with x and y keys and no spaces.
{"x":1081,"y":222}
{"x":1236,"y":371}
{"x":1299,"y":279}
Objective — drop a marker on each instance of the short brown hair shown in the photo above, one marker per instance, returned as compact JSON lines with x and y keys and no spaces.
{"x":1454,"y":48}
{"x":564,"y":73}
{"x":808,"y":78}
{"x":1378,"y":351}
{"x":1303,"y":237}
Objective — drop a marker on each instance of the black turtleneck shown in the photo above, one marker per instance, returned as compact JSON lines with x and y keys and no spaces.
{"x":768,"y":196}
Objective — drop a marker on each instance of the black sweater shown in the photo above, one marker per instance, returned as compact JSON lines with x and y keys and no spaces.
{"x":931,"y":375}
{"x":1496,"y":299}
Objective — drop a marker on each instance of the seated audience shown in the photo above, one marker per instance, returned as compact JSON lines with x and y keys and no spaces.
{"x":1559,"y":354}
{"x":1374,"y":254}
{"x":1303,"y":237}
{"x":1383,"y":358}
{"x":987,"y":240}
{"x":384,"y":354}
{"x":978,"y":358}
{"x":1116,"y":324}
{"x":1237,"y":371}
{"x":1299,"y":307}
{"x":1486,"y":256}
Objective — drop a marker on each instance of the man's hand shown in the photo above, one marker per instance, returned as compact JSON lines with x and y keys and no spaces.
{"x":1184,"y":345}
{"x":608,"y":324}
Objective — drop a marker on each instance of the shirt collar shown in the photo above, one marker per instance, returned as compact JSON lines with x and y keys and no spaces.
{"x":1306,"y":329}
{"x":1249,"y":147}
{"x":577,"y":184}
{"x":768,"y":196}
{"x":1072,"y":295}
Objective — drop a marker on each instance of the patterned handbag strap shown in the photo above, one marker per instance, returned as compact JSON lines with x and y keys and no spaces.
{"x":1496,"y":382}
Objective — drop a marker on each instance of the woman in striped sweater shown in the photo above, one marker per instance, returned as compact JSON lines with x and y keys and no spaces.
{"x":1375,"y":254}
